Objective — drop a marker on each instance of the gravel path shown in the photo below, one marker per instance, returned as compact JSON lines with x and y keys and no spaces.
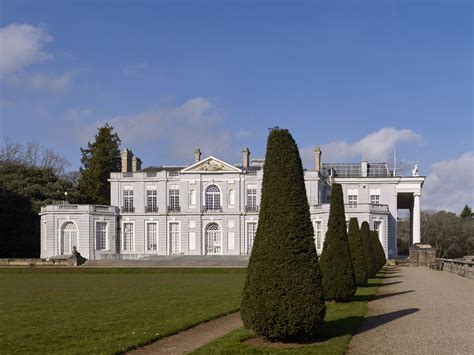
{"x":193,"y":338}
{"x":419,"y":311}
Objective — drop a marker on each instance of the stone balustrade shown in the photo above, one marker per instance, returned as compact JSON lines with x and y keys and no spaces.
{"x":458,"y":266}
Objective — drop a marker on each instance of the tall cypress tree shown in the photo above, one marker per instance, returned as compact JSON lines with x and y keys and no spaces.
{"x":369,"y":250}
{"x":99,"y":159}
{"x":357,"y":253}
{"x":339,"y":282}
{"x":283,"y":297}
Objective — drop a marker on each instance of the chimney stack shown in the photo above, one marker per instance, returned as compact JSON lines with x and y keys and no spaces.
{"x":136,"y":164}
{"x":197,"y":155}
{"x":246,"y":158}
{"x":364,"y":168}
{"x":317,"y":159}
{"x":126,"y":162}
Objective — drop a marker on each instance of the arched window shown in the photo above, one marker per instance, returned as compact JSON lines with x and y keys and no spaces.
{"x":68,"y":238}
{"x":213,"y":239}
{"x":213,"y":198}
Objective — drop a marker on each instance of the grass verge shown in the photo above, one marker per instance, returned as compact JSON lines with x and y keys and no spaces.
{"x":340,"y":323}
{"x":83,"y":310}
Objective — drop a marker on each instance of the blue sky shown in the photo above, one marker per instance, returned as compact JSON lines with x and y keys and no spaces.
{"x":357,"y":78}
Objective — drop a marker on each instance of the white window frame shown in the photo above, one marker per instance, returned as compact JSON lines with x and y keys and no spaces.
{"x":221,"y":231}
{"x":106,"y":235}
{"x":318,"y":222}
{"x":128,"y":203}
{"x":157,"y":237}
{"x":123,"y":235}
{"x":213,"y":197}
{"x":152,"y":196}
{"x":168,"y":237}
{"x":176,"y":197}
{"x":251,"y":199}
{"x":351,"y":202}
{"x":60,"y":236}
{"x":248,"y":251}
{"x":375,"y":197}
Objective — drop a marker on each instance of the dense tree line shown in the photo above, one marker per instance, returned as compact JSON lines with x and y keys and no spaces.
{"x":32,"y":176}
{"x":451,"y":234}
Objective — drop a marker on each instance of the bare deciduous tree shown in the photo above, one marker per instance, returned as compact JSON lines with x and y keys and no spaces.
{"x":33,"y":154}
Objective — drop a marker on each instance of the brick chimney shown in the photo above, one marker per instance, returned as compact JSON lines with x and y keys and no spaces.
{"x":317,"y":159}
{"x":126,"y":163}
{"x":245,"y":158}
{"x":197,"y":155}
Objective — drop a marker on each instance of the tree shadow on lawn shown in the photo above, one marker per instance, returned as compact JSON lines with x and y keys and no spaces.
{"x":358,"y":324}
{"x":386,"y":277}
{"x":390,"y":283}
{"x":378,"y":297}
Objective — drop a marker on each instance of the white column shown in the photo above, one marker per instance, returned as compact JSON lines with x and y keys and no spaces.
{"x":416,"y":218}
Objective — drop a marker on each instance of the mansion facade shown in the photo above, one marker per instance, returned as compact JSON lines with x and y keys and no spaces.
{"x":211,"y":208}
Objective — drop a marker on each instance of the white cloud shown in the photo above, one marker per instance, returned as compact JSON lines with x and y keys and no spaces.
{"x":177,"y":131}
{"x":375,"y":147}
{"x":449,"y":184}
{"x":21,"y":45}
{"x":43,"y":81}
{"x":77,"y":114}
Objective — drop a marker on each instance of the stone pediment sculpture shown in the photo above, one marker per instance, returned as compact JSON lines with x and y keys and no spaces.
{"x":211,"y":164}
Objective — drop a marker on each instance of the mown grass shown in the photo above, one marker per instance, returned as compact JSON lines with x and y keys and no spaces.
{"x":340,"y":323}
{"x":83,"y":311}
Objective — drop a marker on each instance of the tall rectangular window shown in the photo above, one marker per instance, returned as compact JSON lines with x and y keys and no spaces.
{"x":151,"y":201}
{"x":101,"y":235}
{"x":352,"y":199}
{"x":174,"y":200}
{"x":152,"y":236}
{"x":128,"y":201}
{"x":318,"y":233}
{"x":251,"y":233}
{"x":377,"y":225}
{"x":251,"y":200}
{"x":174,"y":238}
{"x":128,"y":237}
{"x":375,"y":199}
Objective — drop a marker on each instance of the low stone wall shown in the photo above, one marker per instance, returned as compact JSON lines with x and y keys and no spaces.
{"x":33,"y":262}
{"x":73,"y":260}
{"x":458,"y":266}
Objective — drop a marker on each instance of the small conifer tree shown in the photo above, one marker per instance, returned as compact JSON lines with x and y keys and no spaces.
{"x":283,"y":296}
{"x":339,"y":282}
{"x":357,"y":253}
{"x":368,"y":249}
{"x":378,"y":249}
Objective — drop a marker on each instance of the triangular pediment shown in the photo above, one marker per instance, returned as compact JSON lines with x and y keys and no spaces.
{"x":211,"y":165}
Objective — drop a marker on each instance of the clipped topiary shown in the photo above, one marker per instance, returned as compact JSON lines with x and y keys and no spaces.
{"x":357,"y":253}
{"x":378,"y":249}
{"x":283,"y":296}
{"x":368,"y":249}
{"x":339,"y":283}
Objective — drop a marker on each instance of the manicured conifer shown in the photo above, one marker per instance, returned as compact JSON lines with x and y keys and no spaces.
{"x":283,"y":296}
{"x":339,"y":282}
{"x":368,"y":249}
{"x":378,"y":249}
{"x":357,"y":253}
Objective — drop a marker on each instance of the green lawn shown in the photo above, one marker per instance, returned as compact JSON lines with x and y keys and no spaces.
{"x":79,"y":310}
{"x":340,"y":323}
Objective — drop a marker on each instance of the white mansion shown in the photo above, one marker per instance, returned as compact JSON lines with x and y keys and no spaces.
{"x":211,"y":208}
